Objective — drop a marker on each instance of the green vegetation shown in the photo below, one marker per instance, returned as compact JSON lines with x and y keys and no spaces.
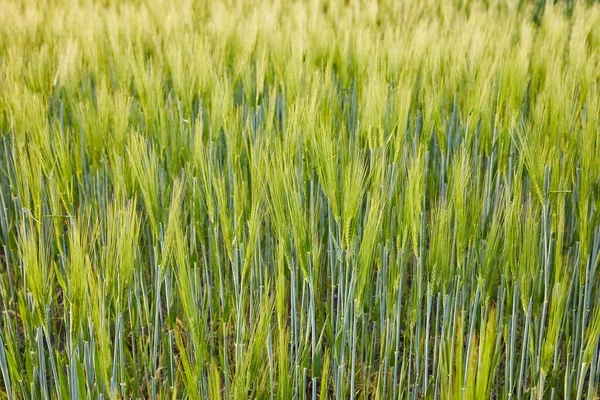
{"x":299,"y":199}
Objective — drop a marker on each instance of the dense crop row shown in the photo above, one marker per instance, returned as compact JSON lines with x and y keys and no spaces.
{"x":313,"y":199}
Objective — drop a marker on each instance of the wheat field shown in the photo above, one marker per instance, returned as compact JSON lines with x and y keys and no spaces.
{"x":308,"y":199}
